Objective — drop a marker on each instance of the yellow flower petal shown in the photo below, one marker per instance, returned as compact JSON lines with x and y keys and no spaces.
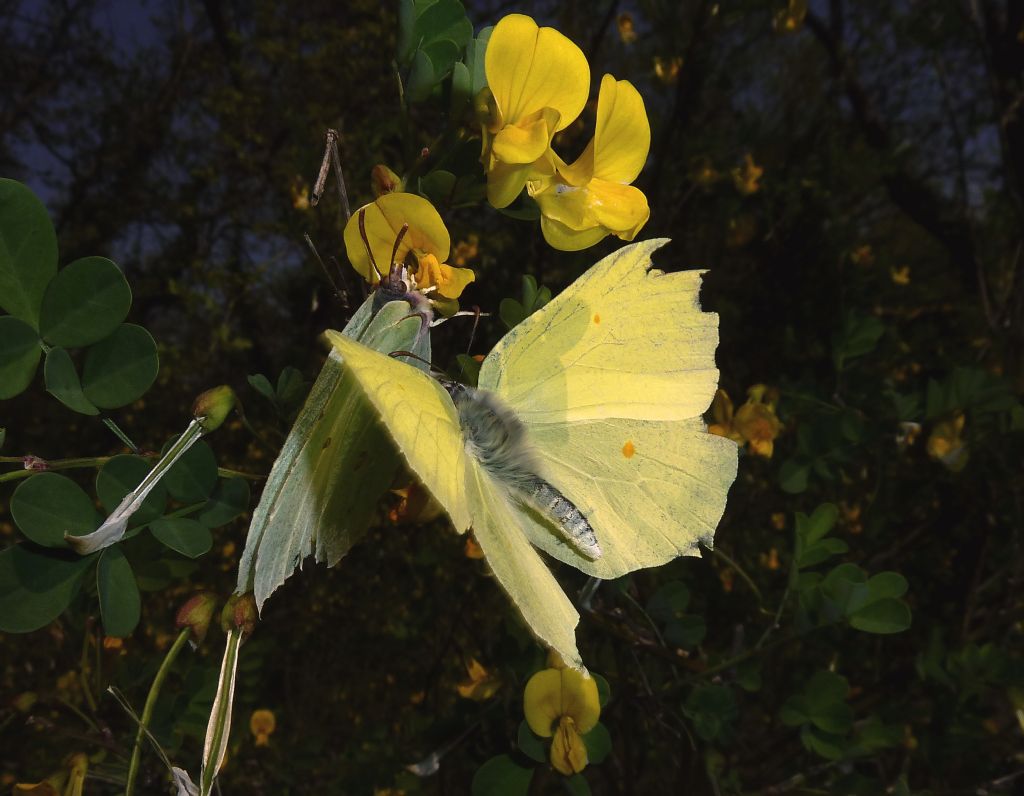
{"x":568,"y":752}
{"x":262,"y":724}
{"x":505,"y":182}
{"x":530,"y":68}
{"x":566,"y":239}
{"x":528,"y":141}
{"x":384,"y":219}
{"x":623,"y":135}
{"x":575,"y":218}
{"x":553,"y":693}
{"x":621,"y":209}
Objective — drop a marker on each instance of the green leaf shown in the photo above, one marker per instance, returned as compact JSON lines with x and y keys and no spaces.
{"x":36,"y":587}
{"x":599,"y":744}
{"x":28,"y":253}
{"x":604,"y":689}
{"x":194,"y":475}
{"x":183,"y":535}
{"x":577,"y":785}
{"x":827,"y":745}
{"x":121,"y":475}
{"x":262,"y":385}
{"x":421,"y":80}
{"x":291,"y":390}
{"x":669,"y":601}
{"x":529,"y":744}
{"x":120,"y":605}
{"x":712,"y":708}
{"x":686,"y":631}
{"x":810,"y":529}
{"x":884,"y":616}
{"x":437,"y":186}
{"x":511,"y":312}
{"x":46,"y":505}
{"x":63,"y":384}
{"x":524,"y":208}
{"x":793,"y":476}
{"x":461,"y":92}
{"x":475,"y":52}
{"x":858,"y":335}
{"x":120,"y":368}
{"x":406,"y":25}
{"x":230,"y":499}
{"x":84,"y":303}
{"x":444,"y":20}
{"x":19,"y":355}
{"x":501,"y":776}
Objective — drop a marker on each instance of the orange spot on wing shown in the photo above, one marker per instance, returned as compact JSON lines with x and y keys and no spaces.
{"x":628,"y":449}
{"x":597,"y":318}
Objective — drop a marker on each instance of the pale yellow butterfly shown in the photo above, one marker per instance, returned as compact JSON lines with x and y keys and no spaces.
{"x":608,"y":383}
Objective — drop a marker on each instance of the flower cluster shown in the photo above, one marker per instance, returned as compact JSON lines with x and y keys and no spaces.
{"x":754,"y":424}
{"x":538,"y":83}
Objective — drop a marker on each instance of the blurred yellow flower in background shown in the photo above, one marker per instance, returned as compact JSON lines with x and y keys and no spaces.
{"x":791,"y":18}
{"x":627,"y":30}
{"x":480,"y":684}
{"x":754,"y":423}
{"x":667,"y":69}
{"x":747,"y":177}
{"x":946,"y":443}
{"x":262,"y":724}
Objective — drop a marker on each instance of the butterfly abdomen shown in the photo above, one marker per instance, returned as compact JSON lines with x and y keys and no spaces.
{"x":496,"y":438}
{"x":544,"y":497}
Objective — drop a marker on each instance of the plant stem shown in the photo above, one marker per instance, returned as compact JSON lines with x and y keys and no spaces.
{"x":147,"y":710}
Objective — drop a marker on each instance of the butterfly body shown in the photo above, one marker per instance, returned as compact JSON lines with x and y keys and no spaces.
{"x":498,"y":440}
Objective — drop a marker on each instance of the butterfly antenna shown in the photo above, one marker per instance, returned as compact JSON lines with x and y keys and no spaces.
{"x":398,"y":242}
{"x":366,"y":243}
{"x":472,"y":332}
{"x":338,"y":294}
{"x":410,"y":355}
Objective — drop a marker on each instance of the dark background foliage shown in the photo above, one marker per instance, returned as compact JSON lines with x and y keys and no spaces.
{"x":169,"y":137}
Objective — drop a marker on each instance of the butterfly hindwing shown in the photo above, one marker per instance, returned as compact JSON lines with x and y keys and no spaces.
{"x":651,"y":489}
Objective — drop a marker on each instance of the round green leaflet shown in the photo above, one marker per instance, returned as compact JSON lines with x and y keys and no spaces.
{"x":194,"y":475}
{"x":28,"y":252}
{"x":19,"y":356}
{"x":47,"y":505}
{"x":229,"y":499}
{"x":501,"y":776}
{"x":84,"y":303}
{"x":121,"y":475}
{"x":35,"y":587}
{"x":63,"y":384}
{"x":183,"y":535}
{"x":121,"y":367}
{"x":120,"y":604}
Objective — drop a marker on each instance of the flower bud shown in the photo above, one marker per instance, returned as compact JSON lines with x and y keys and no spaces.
{"x":213,"y":406}
{"x":383,"y":180}
{"x":196,"y":614}
{"x":240,"y":612}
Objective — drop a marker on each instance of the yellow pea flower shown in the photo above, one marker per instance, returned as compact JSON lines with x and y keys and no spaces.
{"x":538,"y":82}
{"x":480,"y":684}
{"x":754,"y":423}
{"x":585,"y":201}
{"x":667,"y":69}
{"x":424,"y":246}
{"x":627,"y":30}
{"x":946,"y":443}
{"x":790,"y":19}
{"x":562,"y":704}
{"x":747,"y":177}
{"x":757,"y":422}
{"x":262,"y":724}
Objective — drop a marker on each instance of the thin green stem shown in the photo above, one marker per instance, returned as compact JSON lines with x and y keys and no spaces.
{"x":120,"y":434}
{"x":740,"y":571}
{"x":147,"y":710}
{"x":99,"y":461}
